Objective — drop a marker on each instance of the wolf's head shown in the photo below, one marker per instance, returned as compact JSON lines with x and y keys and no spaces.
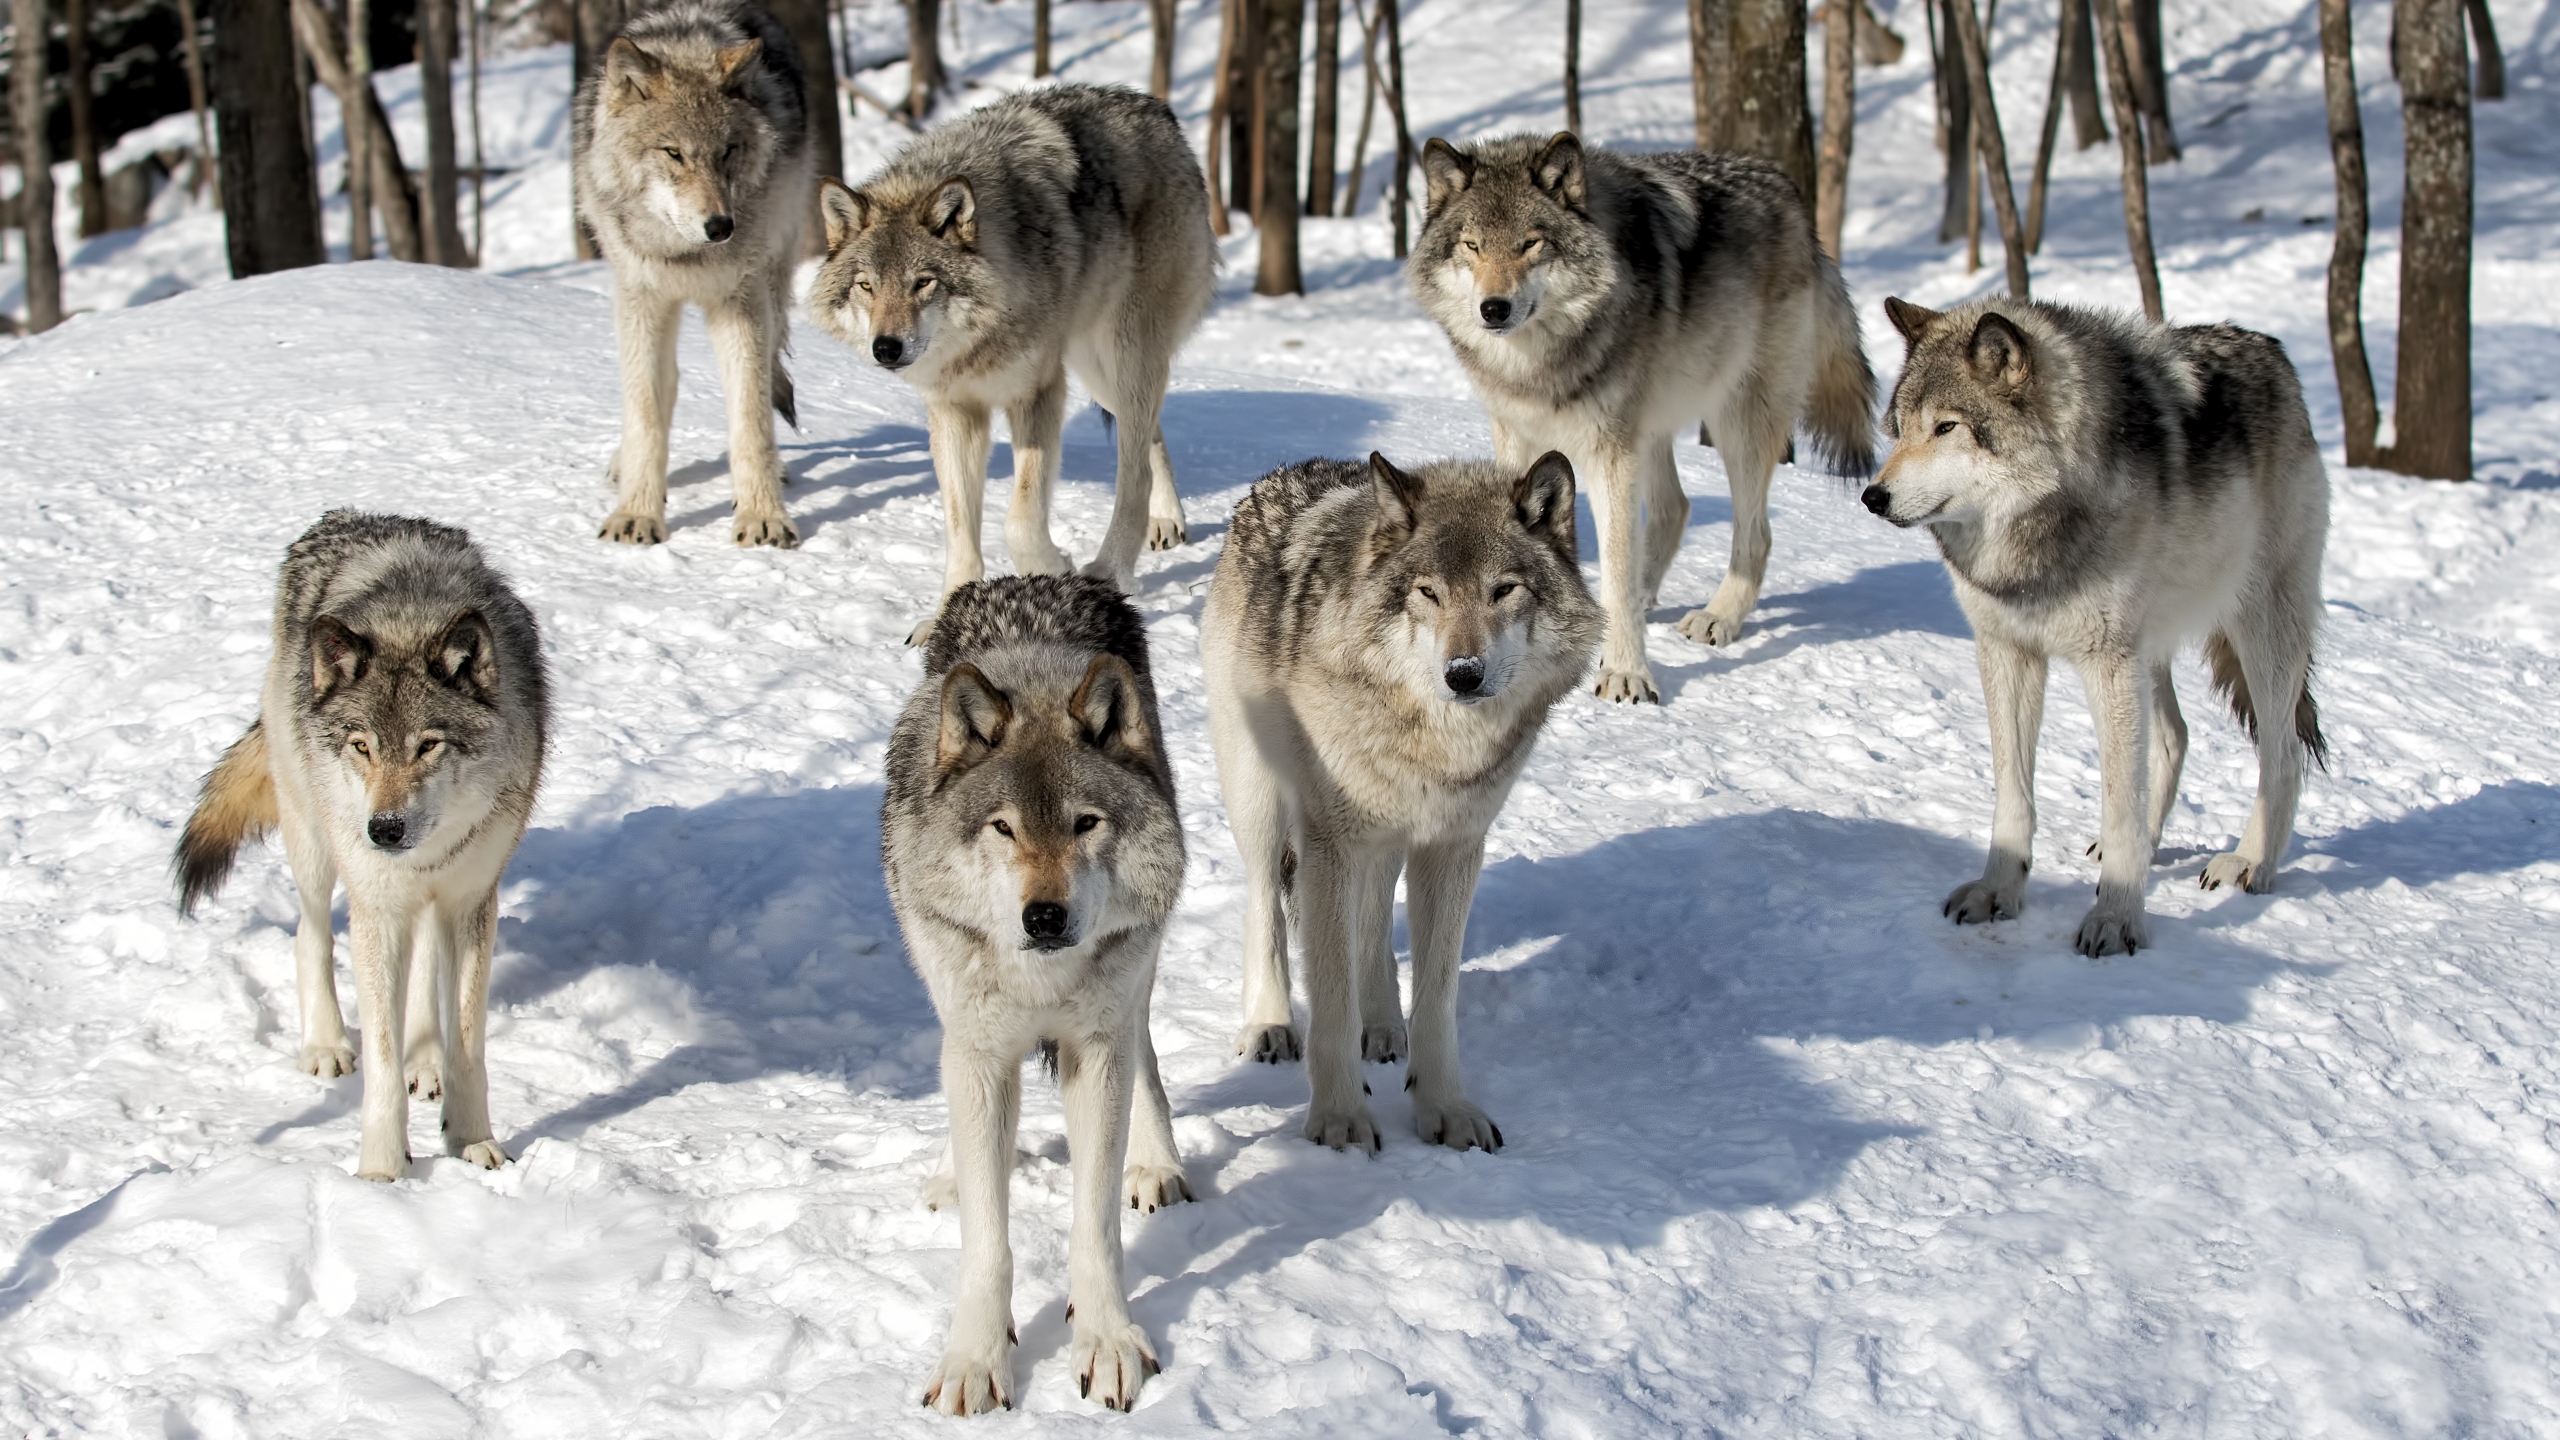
{"x":685,"y":128}
{"x":1052,"y":781}
{"x":408,"y":723}
{"x":1507,"y":236}
{"x":1471,"y":586}
{"x":1973,"y":433}
{"x":902,"y":263}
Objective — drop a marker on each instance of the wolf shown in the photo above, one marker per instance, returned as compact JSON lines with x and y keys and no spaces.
{"x":2107,"y":490}
{"x":694,"y":174}
{"x":1381,"y":647}
{"x":399,"y":746}
{"x":1033,"y":855}
{"x":1062,"y":230}
{"x":1602,"y":302}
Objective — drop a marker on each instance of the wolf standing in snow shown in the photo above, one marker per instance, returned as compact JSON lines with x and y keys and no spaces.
{"x":695,"y":178}
{"x":398,"y":744}
{"x":2106,"y":490}
{"x":1381,"y":648}
{"x":1602,"y":303}
{"x":1033,"y":854}
{"x":1066,"y":229}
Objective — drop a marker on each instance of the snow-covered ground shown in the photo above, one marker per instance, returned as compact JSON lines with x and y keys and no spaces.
{"x":1789,"y":1155}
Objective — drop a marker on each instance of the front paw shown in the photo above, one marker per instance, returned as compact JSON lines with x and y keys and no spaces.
{"x":487,"y":1154}
{"x":1151,"y":1188}
{"x":426,"y":1076}
{"x":382,"y":1170}
{"x":1270,"y":1044}
{"x":2239,"y":872}
{"x":1111,"y":1363}
{"x":1042,"y":558}
{"x":940,"y":1191}
{"x":1165,"y":534}
{"x":1344,"y":1128}
{"x":630,"y":527}
{"x":1709,"y":628}
{"x":1628,"y":686}
{"x":1457,"y":1124}
{"x":764,"y":527}
{"x":327,"y":1059}
{"x":967,"y":1383}
{"x":1974,"y":902}
{"x":1382,"y":1044}
{"x":2111,"y":929}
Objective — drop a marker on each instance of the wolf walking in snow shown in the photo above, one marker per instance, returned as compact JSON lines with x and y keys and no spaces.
{"x":1602,"y":303}
{"x":1034,"y":854}
{"x":1381,"y":648}
{"x":398,"y":745}
{"x":1062,"y":230}
{"x":2106,"y":490}
{"x":696,"y":178}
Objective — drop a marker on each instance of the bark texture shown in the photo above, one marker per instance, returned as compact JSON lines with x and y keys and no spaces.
{"x":394,"y":194}
{"x":1276,"y":97}
{"x":2431,"y":396}
{"x":1163,"y":15}
{"x":436,"y":42}
{"x":2357,"y":411}
{"x":35,"y":170}
{"x":77,"y":96}
{"x":1839,"y":120}
{"x":2137,"y":184}
{"x":270,"y":195}
{"x":1324,"y":114}
{"x":1994,"y":148}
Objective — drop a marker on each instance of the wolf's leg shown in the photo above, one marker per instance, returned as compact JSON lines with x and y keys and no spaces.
{"x":379,"y":948}
{"x":1037,"y":423}
{"x":1750,"y":434}
{"x":1331,"y":888}
{"x":1382,"y":1028}
{"x":1130,"y":383}
{"x":2168,"y":752}
{"x":473,"y":932}
{"x":644,"y":332}
{"x":1257,"y":816}
{"x":1164,"y":504}
{"x":1154,"y":1178}
{"x":2120,"y":707}
{"x":1624,"y":673}
{"x":2013,"y":691}
{"x":325,"y":1051}
{"x":1666,"y":516}
{"x":430,"y":968}
{"x":1111,"y":1356}
{"x":961,"y":435}
{"x":742,"y":340}
{"x":1439,"y":885}
{"x":985,"y":1090}
{"x":2275,"y":667}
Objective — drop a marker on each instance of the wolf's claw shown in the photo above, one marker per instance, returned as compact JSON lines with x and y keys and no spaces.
{"x":486,"y":1154}
{"x":1164,"y":534}
{"x":1382,"y":1044}
{"x":426,"y":1077}
{"x":761,"y":528}
{"x":328,"y":1061}
{"x":2107,"y":930}
{"x":1111,"y":1364}
{"x":1344,"y":1129}
{"x":1973,"y":902}
{"x":1154,"y":1187}
{"x":1709,"y":628}
{"x":1269,"y":1044}
{"x":629,"y":527}
{"x":1457,"y":1124}
{"x":1621,"y":687}
{"x":2238,"y":872}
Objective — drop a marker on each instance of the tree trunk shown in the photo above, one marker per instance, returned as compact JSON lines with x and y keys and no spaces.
{"x":1326,"y":113}
{"x":1390,"y":21}
{"x":1955,"y":118}
{"x":479,"y":155}
{"x":1774,"y":114}
{"x":1283,"y":23}
{"x":1160,"y":66}
{"x":1368,"y":107}
{"x":1995,"y":148}
{"x":2149,"y":64}
{"x":35,"y":168}
{"x":924,"y":57}
{"x":191,"y":45}
{"x":1573,"y":66}
{"x":355,"y":62}
{"x":1222,"y":106}
{"x":1839,"y":120}
{"x":436,"y":37}
{"x":1244,"y":108}
{"x":2137,"y":184}
{"x":2356,"y":409}
{"x":2080,"y":76}
{"x":807,"y":22}
{"x":77,"y":78}
{"x":1711,"y":80}
{"x":394,"y":194}
{"x":1039,"y":38}
{"x":2431,"y":397}
{"x":595,"y":23}
{"x":270,"y":197}
{"x":2053,"y":102}
{"x":2492,"y":84}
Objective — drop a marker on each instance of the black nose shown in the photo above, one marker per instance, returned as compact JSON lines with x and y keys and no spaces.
{"x":719,"y":228}
{"x":1044,"y":920}
{"x":887,"y":349}
{"x":386,"y":831}
{"x":1464,"y":674}
{"x":1877,"y":499}
{"x":1495,"y":312}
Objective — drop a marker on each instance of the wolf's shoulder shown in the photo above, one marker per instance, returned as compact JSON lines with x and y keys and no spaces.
{"x":1279,"y":502}
{"x":341,"y":534}
{"x":1082,"y":612}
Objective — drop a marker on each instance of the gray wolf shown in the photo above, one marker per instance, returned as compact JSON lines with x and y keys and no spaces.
{"x":695,"y":178}
{"x":1602,"y":303}
{"x":1381,"y":647}
{"x":2107,"y":490}
{"x":1065,"y":229}
{"x":398,"y":746}
{"x":1033,"y":854}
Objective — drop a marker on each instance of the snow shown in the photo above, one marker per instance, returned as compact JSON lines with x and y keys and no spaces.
{"x":1789,"y":1155}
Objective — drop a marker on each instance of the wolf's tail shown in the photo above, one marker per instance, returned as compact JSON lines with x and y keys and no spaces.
{"x":2234,"y":685}
{"x":1839,"y":414}
{"x":237,"y":805}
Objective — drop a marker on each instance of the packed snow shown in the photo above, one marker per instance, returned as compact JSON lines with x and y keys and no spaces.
{"x":1789,"y":1154}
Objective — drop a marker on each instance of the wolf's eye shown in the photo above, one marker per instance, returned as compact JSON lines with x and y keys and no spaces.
{"x":923,"y":283}
{"x":862,"y":285}
{"x":430,"y":745}
{"x":1946,"y":427}
{"x":1504,"y":589}
{"x":1472,"y":247}
{"x":726,"y":154}
{"x":1002,"y":828}
{"x":673,"y":153}
{"x":1529,"y":244}
{"x":357,"y":743}
{"x":1427,"y":593}
{"x":1087,"y":822}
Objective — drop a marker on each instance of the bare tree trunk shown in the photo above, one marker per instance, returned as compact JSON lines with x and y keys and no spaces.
{"x":1774,"y":118}
{"x":2148,"y":63}
{"x":2053,"y":103}
{"x":1284,"y":23}
{"x":1839,"y":120}
{"x":1955,"y":119}
{"x":1995,"y":148}
{"x":1039,"y":38}
{"x":2080,"y":76}
{"x":594,"y":24}
{"x":1368,"y":107}
{"x":436,"y":37}
{"x":479,"y":155}
{"x":1573,"y":66}
{"x":76,"y":82}
{"x":2431,"y":396}
{"x":191,"y":45}
{"x":807,"y":22}
{"x":1711,"y":77}
{"x":2357,"y":411}
{"x":924,"y":57}
{"x":356,"y":61}
{"x":2492,"y":84}
{"x":1243,"y":106}
{"x":270,"y":197}
{"x":2137,"y":184}
{"x":1222,"y":100}
{"x":35,"y":167}
{"x":1326,"y":113}
{"x":1160,"y":67}
{"x":1390,"y":21}
{"x":394,"y":194}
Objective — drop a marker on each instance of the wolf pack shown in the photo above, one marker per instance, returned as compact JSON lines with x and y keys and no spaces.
{"x":1381,"y":643}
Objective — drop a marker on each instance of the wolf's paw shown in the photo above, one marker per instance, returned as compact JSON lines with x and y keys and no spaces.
{"x":487,"y":1154}
{"x":940,"y":1191}
{"x":1456,"y":1123}
{"x":1709,"y":628}
{"x":328,"y":1059}
{"x":1269,"y":1044}
{"x":1627,"y":687}
{"x":383,"y":1172}
{"x":1164,"y":533}
{"x":630,"y":527}
{"x":426,"y":1076}
{"x":1041,"y":559}
{"x":764,"y":527}
{"x":1973,"y":903}
{"x":972,"y":1384}
{"x":1343,"y":1129}
{"x":1382,"y":1044}
{"x":1151,"y":1188}
{"x":2239,"y":872}
{"x":1111,"y":1363}
{"x":2111,"y":930}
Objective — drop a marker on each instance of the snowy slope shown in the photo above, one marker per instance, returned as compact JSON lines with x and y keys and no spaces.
{"x":1789,"y":1155}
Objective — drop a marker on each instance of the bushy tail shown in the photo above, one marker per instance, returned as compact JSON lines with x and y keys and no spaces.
{"x":236,"y":806}
{"x":1840,"y":413}
{"x":2234,"y":685}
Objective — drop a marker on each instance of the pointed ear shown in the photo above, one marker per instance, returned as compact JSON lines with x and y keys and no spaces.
{"x":465,"y":657}
{"x":1558,"y":170}
{"x":848,"y":212}
{"x":1108,"y":710}
{"x":952,"y":212}
{"x":629,"y":71}
{"x":735,"y":64}
{"x":1998,"y":352}
{"x":974,"y":716}
{"x":1446,"y":170}
{"x":1912,"y":320}
{"x":1399,"y":499}
{"x":338,"y":655}
{"x":1543,"y":499}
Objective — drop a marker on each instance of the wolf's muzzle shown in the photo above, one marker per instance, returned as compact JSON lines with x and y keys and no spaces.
{"x":1878,"y":500}
{"x":388,"y":830}
{"x":1495,"y":313}
{"x":1044,"y":925}
{"x":718,"y":228}
{"x":1464,"y":675}
{"x":889,"y":350}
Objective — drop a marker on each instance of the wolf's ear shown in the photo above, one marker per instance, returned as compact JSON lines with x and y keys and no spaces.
{"x":1399,"y":498}
{"x":1106,"y":708}
{"x":735,"y":64}
{"x":1559,"y":170}
{"x":1912,"y":320}
{"x":629,"y":70}
{"x":465,"y":657}
{"x":847,"y":212}
{"x":1998,"y":352}
{"x":1543,"y":499}
{"x":1446,"y":170}
{"x":974,"y":716}
{"x":338,"y":655}
{"x":952,"y":212}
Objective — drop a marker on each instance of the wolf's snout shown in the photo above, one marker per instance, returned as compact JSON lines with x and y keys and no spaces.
{"x":1045,"y":921}
{"x":718,"y":228}
{"x":1465,"y":675}
{"x":887,"y":349}
{"x":388,"y":831}
{"x":1496,"y":312}
{"x":1878,"y":500}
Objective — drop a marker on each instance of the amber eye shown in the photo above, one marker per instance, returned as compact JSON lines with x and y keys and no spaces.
{"x":429,"y":746}
{"x":1427,"y":593}
{"x":862,"y":285}
{"x":361,"y":748}
{"x":673,"y":154}
{"x":1002,"y":828}
{"x":1472,"y":247}
{"x":1504,"y":589}
{"x":1087,"y":822}
{"x":1946,"y":427}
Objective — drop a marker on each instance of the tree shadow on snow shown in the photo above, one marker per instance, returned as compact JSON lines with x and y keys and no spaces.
{"x":831,"y":481}
{"x":2506,"y":826}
